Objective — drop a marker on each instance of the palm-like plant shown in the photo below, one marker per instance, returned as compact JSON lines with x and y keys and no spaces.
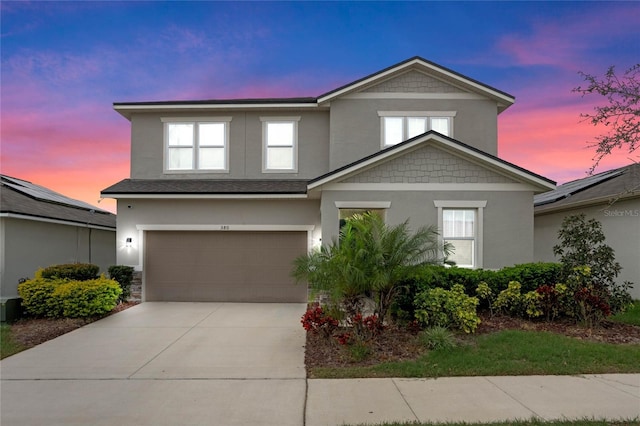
{"x":370,"y":258}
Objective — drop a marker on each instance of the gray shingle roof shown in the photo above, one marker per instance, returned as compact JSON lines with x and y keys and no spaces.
{"x":25,"y":198}
{"x":206,"y":186}
{"x":623,"y":182}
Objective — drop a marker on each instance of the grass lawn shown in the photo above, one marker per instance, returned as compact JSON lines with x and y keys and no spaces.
{"x":8,"y":346}
{"x":529,"y":423}
{"x":630,"y":316}
{"x":508,"y":352}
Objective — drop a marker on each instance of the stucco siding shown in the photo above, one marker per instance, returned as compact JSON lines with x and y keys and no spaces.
{"x":245,"y":145}
{"x":356,"y":126}
{"x":620,"y":224}
{"x":29,"y":245}
{"x":428,"y":165}
{"x":507,"y":226}
{"x":176,"y":214}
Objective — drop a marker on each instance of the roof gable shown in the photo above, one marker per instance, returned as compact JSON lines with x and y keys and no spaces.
{"x":428,"y":164}
{"x":435,"y":71}
{"x":464,"y":164}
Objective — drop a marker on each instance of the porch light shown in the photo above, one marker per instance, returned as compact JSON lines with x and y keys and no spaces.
{"x":128,"y":242}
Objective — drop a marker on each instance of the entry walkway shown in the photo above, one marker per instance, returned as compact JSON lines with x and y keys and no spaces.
{"x":174,"y":364}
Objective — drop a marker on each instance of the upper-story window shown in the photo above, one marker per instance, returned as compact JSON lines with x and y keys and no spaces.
{"x":199,"y":144}
{"x":398,"y":126}
{"x":280,"y":144}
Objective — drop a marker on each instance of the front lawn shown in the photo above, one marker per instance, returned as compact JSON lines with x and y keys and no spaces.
{"x":8,"y":346}
{"x":502,"y":345}
{"x":504,"y":353}
{"x":630,"y":316}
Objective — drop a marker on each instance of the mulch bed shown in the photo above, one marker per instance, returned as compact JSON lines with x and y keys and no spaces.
{"x":400,"y":344}
{"x":30,"y":332}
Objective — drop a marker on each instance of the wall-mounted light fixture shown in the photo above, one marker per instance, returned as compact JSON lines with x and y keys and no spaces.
{"x":128,"y":241}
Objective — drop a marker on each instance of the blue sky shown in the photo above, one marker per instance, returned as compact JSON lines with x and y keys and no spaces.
{"x":63,"y":65}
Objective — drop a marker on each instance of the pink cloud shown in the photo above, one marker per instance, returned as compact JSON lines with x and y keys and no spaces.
{"x":565,"y":43}
{"x":553,"y":141}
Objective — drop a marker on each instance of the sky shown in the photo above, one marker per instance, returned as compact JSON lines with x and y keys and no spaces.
{"x":64,"y":64}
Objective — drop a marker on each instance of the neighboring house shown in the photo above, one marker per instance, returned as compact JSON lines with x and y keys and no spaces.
{"x":224,"y":194}
{"x":40,"y":228}
{"x":613,"y":199}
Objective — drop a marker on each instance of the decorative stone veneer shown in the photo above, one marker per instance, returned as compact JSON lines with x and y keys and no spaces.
{"x":428,"y":165}
{"x":413,"y":82}
{"x":136,"y":287}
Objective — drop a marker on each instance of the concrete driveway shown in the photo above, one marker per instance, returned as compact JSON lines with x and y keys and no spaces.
{"x":222,"y":363}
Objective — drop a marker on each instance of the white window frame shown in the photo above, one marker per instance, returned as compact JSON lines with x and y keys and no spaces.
{"x":478,"y":207}
{"x":406,"y":115}
{"x":265,"y":148}
{"x":195,"y":122}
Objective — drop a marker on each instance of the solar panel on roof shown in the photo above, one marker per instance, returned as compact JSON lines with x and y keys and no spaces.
{"x":569,"y":188}
{"x":42,"y":193}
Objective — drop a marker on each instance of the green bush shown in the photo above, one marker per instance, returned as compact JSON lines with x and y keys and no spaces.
{"x":37,"y":296}
{"x":87,"y":298}
{"x":124,"y":276}
{"x":58,"y":297}
{"x":530,"y":275}
{"x":513,"y":302}
{"x":447,"y":308}
{"x":72,"y":271}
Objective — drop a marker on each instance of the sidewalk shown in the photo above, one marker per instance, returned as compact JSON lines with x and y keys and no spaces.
{"x":472,"y":399}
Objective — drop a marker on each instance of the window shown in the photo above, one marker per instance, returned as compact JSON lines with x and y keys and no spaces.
{"x":280,"y":144}
{"x":348,"y":209}
{"x":196,"y":145}
{"x":459,"y":229}
{"x":460,"y":224}
{"x":400,"y":126}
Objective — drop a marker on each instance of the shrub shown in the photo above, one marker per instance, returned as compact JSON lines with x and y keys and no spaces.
{"x":124,"y":276}
{"x":37,"y":296}
{"x":554,"y":300}
{"x":365,"y":328}
{"x":590,"y":299}
{"x":511,"y":301}
{"x":65,"y":298}
{"x":582,"y":243}
{"x":437,"y":338}
{"x":72,"y":271}
{"x":484,"y":294}
{"x":87,"y":298}
{"x":316,"y":321}
{"x":529,"y":275}
{"x":447,"y":308}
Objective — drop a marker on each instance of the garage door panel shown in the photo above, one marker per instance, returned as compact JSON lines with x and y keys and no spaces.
{"x":223,"y":266}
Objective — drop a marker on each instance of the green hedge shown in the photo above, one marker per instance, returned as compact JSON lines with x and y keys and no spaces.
{"x":529,"y":275}
{"x":124,"y":276}
{"x":68,"y":298}
{"x":72,"y":271}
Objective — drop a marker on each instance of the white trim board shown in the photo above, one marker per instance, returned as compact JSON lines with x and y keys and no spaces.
{"x":56,"y":221}
{"x":429,"y":187}
{"x":222,"y":227}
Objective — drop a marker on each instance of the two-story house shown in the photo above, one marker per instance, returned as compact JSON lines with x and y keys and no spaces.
{"x":224,"y":194}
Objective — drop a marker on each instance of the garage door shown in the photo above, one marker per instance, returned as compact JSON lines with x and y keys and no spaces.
{"x":203,"y":266}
